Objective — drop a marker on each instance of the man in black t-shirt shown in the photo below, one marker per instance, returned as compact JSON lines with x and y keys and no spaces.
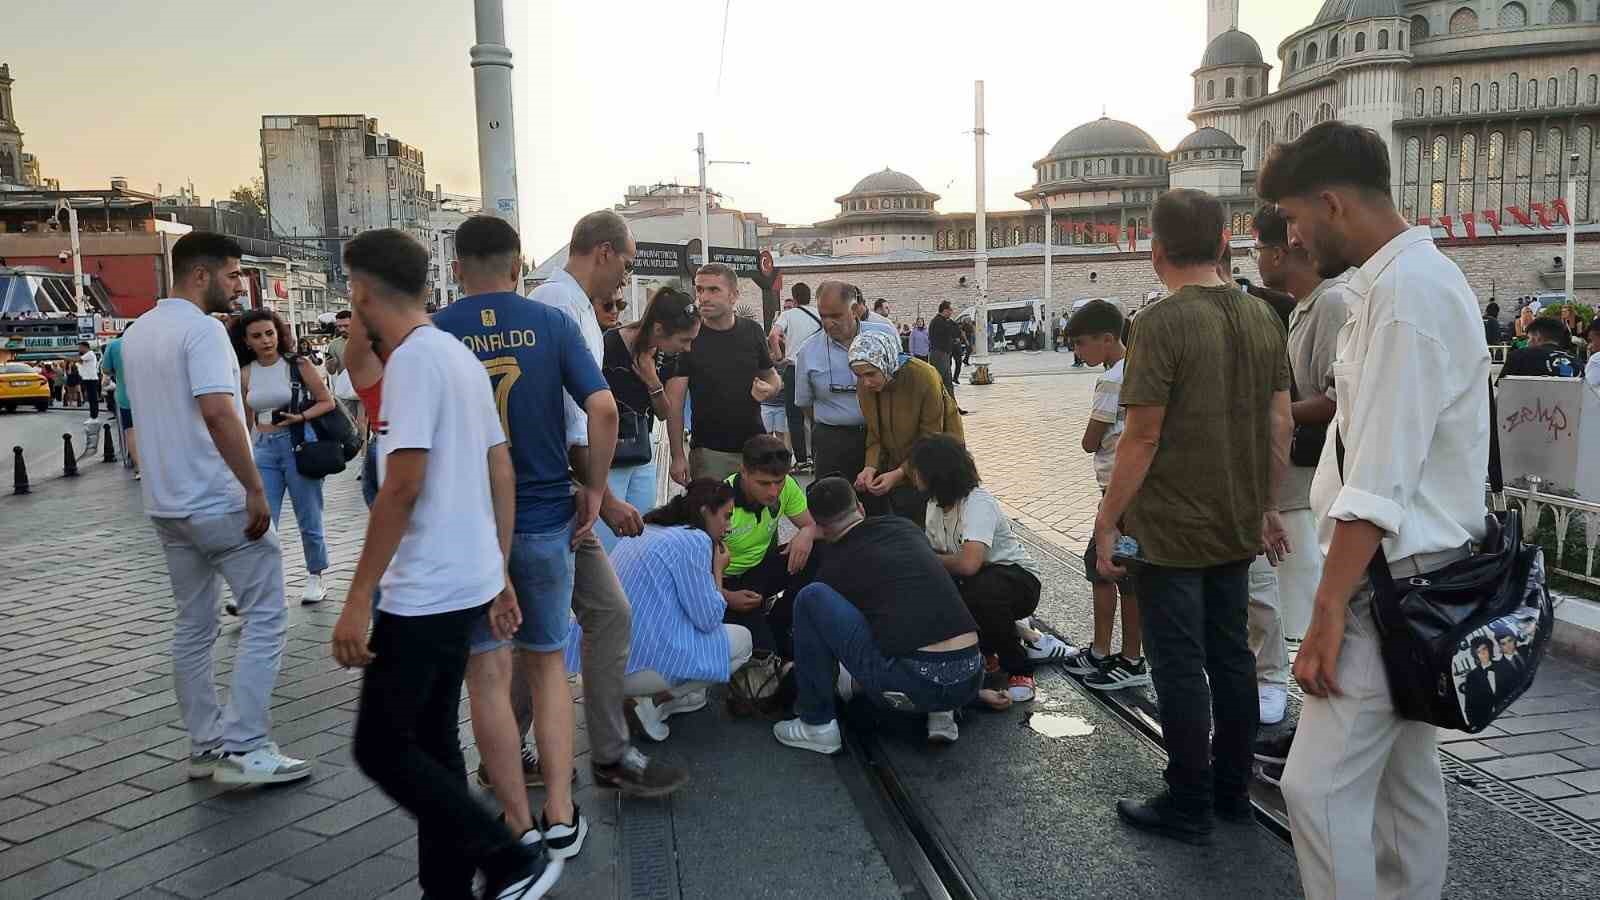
{"x":884,"y":610}
{"x":1548,"y":354}
{"x":728,"y":372}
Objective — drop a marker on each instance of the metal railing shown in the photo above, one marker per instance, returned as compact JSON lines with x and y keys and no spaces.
{"x":1564,"y":510}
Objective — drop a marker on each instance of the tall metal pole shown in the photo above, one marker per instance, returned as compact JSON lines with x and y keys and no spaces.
{"x":705,"y":221}
{"x":1572,"y":209}
{"x":980,"y":321}
{"x":77,"y":259}
{"x":1047,"y":255}
{"x":497,"y":130}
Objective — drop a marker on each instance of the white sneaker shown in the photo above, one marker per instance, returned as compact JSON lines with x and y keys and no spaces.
{"x":942,"y":728}
{"x":1274,"y":700}
{"x":692,"y":701}
{"x":314,"y":592}
{"x":845,"y":685}
{"x":649,"y":717}
{"x":817,"y":738}
{"x":1048,"y":648}
{"x":264,"y":765}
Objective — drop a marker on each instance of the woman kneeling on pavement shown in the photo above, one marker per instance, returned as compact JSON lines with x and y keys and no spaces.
{"x":997,"y":577}
{"x":672,"y":574}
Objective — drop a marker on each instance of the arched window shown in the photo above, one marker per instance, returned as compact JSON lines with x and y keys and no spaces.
{"x":1400,"y":36}
{"x":1116,"y":165}
{"x":1441,"y":173}
{"x":1263,"y":142}
{"x":1361,"y":42}
{"x":1562,"y":12}
{"x":1250,"y":86}
{"x":1419,"y":30}
{"x":1464,"y":20}
{"x":1100,"y":167}
{"x":1572,"y":87}
{"x":1455,"y":96}
{"x":1228,"y":88}
{"x":1141,"y":165}
{"x":1311,"y":53}
{"x":1533,"y":93}
{"x":1291,"y":128}
{"x":1324,"y":114}
{"x":938,"y":240}
{"x":1408,"y":178}
{"x":1074,"y":168}
{"x":1211,"y":89}
{"x":1333,"y":47}
{"x":1477,"y":96}
{"x":1552,"y":92}
{"x":1494,"y":96}
{"x":1493,"y":199}
{"x":1438,"y":101}
{"x":1466,"y":196}
{"x":1420,"y":106}
{"x":1512,"y":96}
{"x":1513,"y":15}
{"x":1583,"y":170}
{"x":1294,"y":61}
{"x":1555,"y":154}
{"x":1594,"y":88}
{"x":1383,"y":39}
{"x":1522,"y":190}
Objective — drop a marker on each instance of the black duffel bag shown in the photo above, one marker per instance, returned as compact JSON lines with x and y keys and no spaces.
{"x":1462,"y":643}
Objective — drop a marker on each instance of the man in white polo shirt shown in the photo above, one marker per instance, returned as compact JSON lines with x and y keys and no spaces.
{"x":204,"y":494}
{"x":1365,"y":797}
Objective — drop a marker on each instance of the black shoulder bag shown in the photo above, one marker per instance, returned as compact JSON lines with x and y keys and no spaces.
{"x":1461,"y":643}
{"x":334,"y":440}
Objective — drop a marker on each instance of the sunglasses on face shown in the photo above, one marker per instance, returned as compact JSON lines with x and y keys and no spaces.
{"x":614,"y":305}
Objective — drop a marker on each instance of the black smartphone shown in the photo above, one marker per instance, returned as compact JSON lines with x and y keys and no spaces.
{"x":1126,"y":553}
{"x":278,"y":415}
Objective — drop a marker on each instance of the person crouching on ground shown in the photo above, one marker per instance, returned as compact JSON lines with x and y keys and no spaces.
{"x":885,"y":611}
{"x":903,"y":400}
{"x":673,"y":575}
{"x":997,"y":578}
{"x":758,"y":567}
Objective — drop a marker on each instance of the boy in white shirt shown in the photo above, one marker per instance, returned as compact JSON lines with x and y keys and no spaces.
{"x":1095,"y":332}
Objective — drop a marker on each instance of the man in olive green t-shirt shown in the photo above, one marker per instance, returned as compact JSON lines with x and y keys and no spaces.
{"x":1205,"y":442}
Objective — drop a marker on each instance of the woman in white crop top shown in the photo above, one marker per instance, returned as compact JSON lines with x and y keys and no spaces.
{"x":264,"y":346}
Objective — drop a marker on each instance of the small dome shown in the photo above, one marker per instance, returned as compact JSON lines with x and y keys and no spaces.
{"x":1208,"y":139}
{"x":887,"y":181}
{"x":1104,"y":135}
{"x":1233,"y":48}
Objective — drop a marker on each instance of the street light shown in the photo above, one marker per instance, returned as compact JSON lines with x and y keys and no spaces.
{"x":1572,"y":209}
{"x":705,"y":221}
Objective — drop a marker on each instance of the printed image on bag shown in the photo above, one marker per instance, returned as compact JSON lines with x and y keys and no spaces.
{"x":1494,"y":664}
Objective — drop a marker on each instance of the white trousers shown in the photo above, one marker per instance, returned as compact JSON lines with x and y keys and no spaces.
{"x":648,"y":682}
{"x":1299,"y":574}
{"x":1266,"y":625}
{"x":1365,"y":796}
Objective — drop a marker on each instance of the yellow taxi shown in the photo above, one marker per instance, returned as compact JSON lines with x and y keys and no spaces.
{"x":22,"y":385}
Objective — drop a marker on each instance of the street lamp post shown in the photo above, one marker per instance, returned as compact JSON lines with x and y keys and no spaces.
{"x":980,"y":319}
{"x":1572,"y":208}
{"x":705,"y":218}
{"x":497,"y":132}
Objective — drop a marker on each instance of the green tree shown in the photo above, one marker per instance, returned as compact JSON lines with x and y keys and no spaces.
{"x":251,"y":196}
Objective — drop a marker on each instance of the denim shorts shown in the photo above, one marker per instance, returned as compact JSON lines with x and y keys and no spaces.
{"x":541,"y":574}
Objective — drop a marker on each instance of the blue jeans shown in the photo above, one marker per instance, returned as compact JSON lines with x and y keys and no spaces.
{"x":829,"y":630}
{"x":542,"y":569}
{"x":636,"y":485}
{"x":275,"y":459}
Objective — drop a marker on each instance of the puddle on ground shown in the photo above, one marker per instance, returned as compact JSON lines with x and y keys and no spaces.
{"x":1052,"y":725}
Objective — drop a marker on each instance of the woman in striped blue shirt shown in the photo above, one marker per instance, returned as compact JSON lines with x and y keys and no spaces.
{"x":672,"y":574}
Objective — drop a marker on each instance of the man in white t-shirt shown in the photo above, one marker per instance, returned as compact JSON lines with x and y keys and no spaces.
{"x":203,"y":493}
{"x":793,"y":329}
{"x":88,"y":366}
{"x":438,"y":536}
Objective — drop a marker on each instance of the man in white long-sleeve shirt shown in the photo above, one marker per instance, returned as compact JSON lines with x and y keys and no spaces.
{"x":1365,"y":797}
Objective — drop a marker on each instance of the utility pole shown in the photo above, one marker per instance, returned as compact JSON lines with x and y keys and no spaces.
{"x":497,"y":132}
{"x":1047,"y":255}
{"x":70,"y":219}
{"x":705,"y":222}
{"x":980,"y":320}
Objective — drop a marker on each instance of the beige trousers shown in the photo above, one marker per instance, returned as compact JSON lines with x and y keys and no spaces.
{"x":1266,"y":625}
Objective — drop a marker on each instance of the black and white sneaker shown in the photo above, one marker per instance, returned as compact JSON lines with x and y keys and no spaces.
{"x":533,"y":879}
{"x":1274,"y":748}
{"x":1121,"y":673}
{"x":1085,"y":662}
{"x":563,"y":841}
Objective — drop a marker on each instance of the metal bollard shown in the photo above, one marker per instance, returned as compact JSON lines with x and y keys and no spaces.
{"x":70,"y":459}
{"x":20,"y":472}
{"x":109,"y":454}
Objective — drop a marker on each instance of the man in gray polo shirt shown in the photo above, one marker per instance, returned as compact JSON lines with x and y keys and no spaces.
{"x":825,"y":384}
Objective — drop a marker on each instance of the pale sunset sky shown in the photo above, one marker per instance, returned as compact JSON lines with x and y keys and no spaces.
{"x":815,"y":95}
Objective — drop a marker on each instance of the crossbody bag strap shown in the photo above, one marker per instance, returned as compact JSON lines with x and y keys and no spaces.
{"x":1497,"y":478}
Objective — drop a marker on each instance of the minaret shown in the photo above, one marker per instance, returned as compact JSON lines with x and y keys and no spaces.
{"x":10,"y":134}
{"x":1221,"y":15}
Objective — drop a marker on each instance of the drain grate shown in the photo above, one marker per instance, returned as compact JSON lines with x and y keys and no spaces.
{"x":1550,"y":819}
{"x":650,"y":863}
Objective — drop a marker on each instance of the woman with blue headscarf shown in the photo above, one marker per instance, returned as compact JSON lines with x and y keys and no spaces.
{"x":903,"y":400}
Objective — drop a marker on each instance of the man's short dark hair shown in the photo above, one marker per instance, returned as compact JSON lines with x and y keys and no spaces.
{"x":202,"y":248}
{"x":1189,"y":224}
{"x":723,"y":271}
{"x":1492,"y":311}
{"x":767,"y":454}
{"x":83,"y":344}
{"x":1271,"y":227}
{"x":879,"y":305}
{"x":944,"y":305}
{"x":1594,"y":327}
{"x":1095,"y":317}
{"x":599,"y":227}
{"x":1553,"y":330}
{"x":395,"y":259}
{"x":486,"y":237}
{"x":830,"y":499}
{"x":801,"y":292}
{"x":1332,"y":154}
{"x":342,"y":315}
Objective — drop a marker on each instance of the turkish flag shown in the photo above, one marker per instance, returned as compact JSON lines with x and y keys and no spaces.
{"x":1470,"y":221}
{"x":1492,"y":216}
{"x":1542,"y":214}
{"x":1562,"y":211}
{"x":1133,"y":236}
{"x":278,"y":290}
{"x":1520,"y":216}
{"x":1448,"y":225}
{"x":1425,"y":220}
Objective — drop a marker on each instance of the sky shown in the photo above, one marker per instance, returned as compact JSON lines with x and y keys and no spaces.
{"x":815,"y":95}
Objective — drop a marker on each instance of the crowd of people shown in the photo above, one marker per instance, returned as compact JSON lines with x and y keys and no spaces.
{"x":514,"y":536}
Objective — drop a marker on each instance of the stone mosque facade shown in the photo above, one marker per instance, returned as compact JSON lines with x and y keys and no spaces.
{"x":1487,"y":107}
